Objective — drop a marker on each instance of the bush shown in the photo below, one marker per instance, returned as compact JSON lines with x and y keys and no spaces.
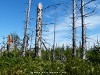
{"x":14,"y":64}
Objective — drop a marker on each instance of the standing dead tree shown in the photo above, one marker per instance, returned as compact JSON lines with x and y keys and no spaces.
{"x":54,"y":6}
{"x":26,"y":28}
{"x":84,"y":27}
{"x":31,"y":38}
{"x":54,"y":35}
{"x":74,"y":29}
{"x":38,"y":31}
{"x":10,"y":45}
{"x":83,"y":30}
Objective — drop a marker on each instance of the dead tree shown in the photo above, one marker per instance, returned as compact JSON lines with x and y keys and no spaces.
{"x":84,"y":26}
{"x":38,"y":31}
{"x":26,"y":28}
{"x":10,"y":45}
{"x":61,"y":52}
{"x":97,"y":41}
{"x":53,"y":50}
{"x":83,"y":31}
{"x":74,"y":29}
{"x":31,"y":39}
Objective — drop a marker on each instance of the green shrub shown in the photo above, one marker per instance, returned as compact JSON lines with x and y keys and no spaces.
{"x":11,"y":63}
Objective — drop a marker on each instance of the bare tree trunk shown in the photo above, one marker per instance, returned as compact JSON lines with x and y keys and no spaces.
{"x":53,"y":44}
{"x":31,"y":40}
{"x":83,"y":31}
{"x":10,"y":45}
{"x":26,"y":28}
{"x":53,"y":50}
{"x":74,"y":29}
{"x":52,"y":55}
{"x":38,"y":31}
{"x":61,"y":53}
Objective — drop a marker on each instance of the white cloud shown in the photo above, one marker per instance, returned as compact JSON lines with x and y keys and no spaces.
{"x":63,"y":31}
{"x":92,"y":39}
{"x":91,"y":22}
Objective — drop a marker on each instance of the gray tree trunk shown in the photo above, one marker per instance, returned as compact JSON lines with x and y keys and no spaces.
{"x":83,"y":31}
{"x":38,"y":31}
{"x":26,"y":28}
{"x":74,"y":29}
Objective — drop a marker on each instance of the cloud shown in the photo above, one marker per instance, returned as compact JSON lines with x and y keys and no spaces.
{"x":63,"y":31}
{"x":93,"y":21}
{"x":90,"y":22}
{"x":92,"y":39}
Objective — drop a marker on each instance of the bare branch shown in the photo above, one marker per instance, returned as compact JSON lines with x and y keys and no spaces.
{"x":89,"y":2}
{"x":88,"y":14}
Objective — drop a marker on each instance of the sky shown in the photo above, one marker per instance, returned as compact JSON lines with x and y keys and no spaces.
{"x":13,"y":16}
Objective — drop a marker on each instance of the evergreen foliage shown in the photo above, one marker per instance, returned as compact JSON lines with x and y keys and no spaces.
{"x":12,"y":63}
